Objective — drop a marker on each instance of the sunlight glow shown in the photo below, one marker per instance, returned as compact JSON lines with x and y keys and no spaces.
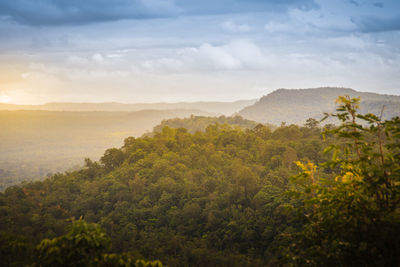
{"x":5,"y":98}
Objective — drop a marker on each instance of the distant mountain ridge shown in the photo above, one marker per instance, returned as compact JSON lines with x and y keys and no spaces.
{"x":222,"y":108}
{"x":294,"y":106}
{"x":36,"y":142}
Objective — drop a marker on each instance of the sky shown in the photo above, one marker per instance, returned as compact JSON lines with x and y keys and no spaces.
{"x":190,"y":50}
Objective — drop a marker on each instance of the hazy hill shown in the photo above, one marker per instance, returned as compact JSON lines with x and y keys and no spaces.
{"x":224,"y":108}
{"x":297,"y":105}
{"x":34,"y":143}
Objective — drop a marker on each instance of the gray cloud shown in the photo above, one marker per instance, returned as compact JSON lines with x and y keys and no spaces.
{"x":374,"y":24}
{"x":353,"y":2}
{"x":233,"y":6}
{"x":70,"y":12}
{"x":380,"y":5}
{"x":61,"y":12}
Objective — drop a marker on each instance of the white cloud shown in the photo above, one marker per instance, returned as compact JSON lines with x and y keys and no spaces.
{"x":114,"y":56}
{"x":125,"y":51}
{"x":91,"y":75}
{"x":219,"y":57}
{"x":169,"y":64}
{"x":77,"y":61}
{"x":236,"y":55}
{"x":98,"y":58}
{"x":232,"y":27}
{"x":276,"y":27}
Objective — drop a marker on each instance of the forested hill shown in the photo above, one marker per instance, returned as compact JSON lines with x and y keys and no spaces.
{"x":212,"y":198}
{"x":295,"y":106}
{"x":200,"y":123}
{"x":224,"y":108}
{"x":225,"y":196}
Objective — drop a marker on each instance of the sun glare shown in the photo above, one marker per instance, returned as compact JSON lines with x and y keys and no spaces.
{"x":5,"y":98}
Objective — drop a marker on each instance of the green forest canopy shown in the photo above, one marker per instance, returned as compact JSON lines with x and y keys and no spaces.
{"x":227,"y":197}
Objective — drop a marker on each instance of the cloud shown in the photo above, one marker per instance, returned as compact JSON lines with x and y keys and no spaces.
{"x":114,"y":56}
{"x":239,"y":6}
{"x":322,"y":22}
{"x":236,"y":55}
{"x":98,"y":58}
{"x":77,"y":61}
{"x":353,"y":2}
{"x":75,"y":12}
{"x":273,"y":27}
{"x":70,"y":12}
{"x":232,"y":27}
{"x":380,"y":5}
{"x":375,"y":24}
{"x":220,"y":58}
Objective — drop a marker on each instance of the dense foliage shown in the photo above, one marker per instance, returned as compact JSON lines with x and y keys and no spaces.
{"x":84,"y":245}
{"x":352,"y":218}
{"x":208,"y":198}
{"x":225,"y":197}
{"x":200,"y":123}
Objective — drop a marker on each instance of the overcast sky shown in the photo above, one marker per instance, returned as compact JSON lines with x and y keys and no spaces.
{"x":188,"y":50}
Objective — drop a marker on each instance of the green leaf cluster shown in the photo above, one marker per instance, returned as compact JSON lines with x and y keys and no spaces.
{"x":351,"y":218}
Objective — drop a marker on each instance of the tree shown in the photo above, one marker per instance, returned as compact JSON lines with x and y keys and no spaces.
{"x":84,"y":245}
{"x":311,"y":123}
{"x":353,"y":218}
{"x":112,"y":158}
{"x":81,"y":246}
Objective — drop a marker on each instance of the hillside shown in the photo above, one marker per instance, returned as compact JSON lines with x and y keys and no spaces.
{"x":35,"y":143}
{"x":225,"y":196}
{"x":200,"y":123}
{"x":297,"y":105}
{"x":210,"y":198}
{"x":223,"y":108}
